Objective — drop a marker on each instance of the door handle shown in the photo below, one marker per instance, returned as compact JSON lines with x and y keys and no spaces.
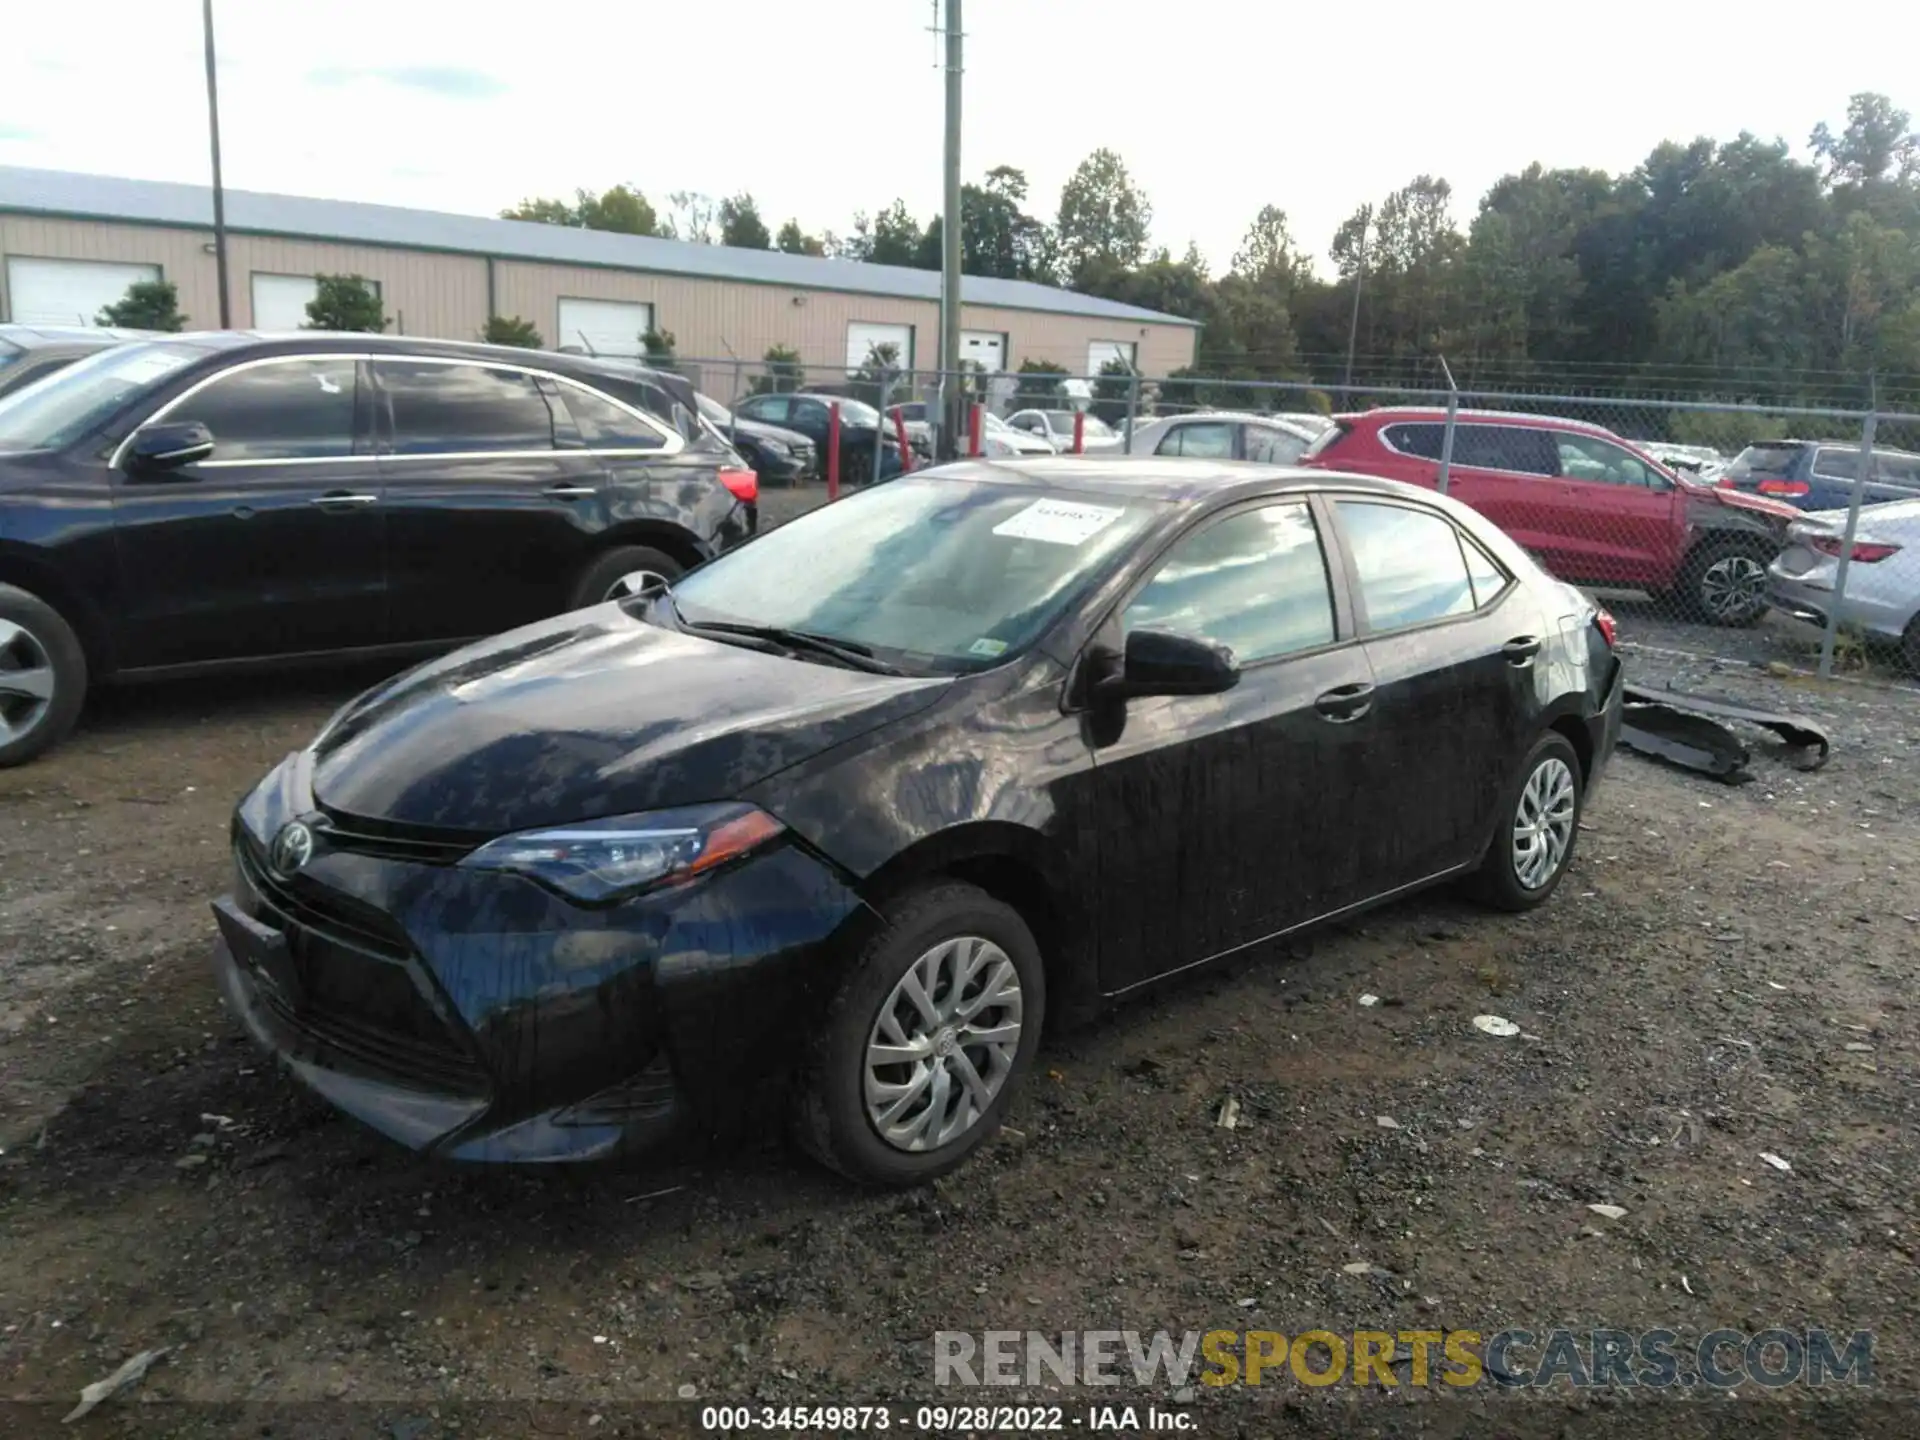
{"x":1520,"y":652}
{"x":1345,"y":703}
{"x":343,"y":499}
{"x":571,"y":492}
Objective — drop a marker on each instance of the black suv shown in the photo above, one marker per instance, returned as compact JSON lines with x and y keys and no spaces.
{"x":218,"y":500}
{"x":32,"y":352}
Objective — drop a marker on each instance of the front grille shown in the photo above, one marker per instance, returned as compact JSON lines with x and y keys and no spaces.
{"x":360,"y":997}
{"x":416,"y":844}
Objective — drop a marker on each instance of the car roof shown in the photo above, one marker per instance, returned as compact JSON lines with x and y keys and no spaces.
{"x":34,"y":337}
{"x":1395,"y":414}
{"x":1172,"y":479}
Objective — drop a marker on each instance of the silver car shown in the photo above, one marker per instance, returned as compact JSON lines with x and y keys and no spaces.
{"x":1217,"y":435}
{"x":1883,"y":577}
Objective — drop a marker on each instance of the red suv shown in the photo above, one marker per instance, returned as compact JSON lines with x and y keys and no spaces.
{"x":1589,"y":506}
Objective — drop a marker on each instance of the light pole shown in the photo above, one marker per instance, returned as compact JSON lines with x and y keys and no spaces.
{"x":950,"y":389}
{"x":219,"y":193}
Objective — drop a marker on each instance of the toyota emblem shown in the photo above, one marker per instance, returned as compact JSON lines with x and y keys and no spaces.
{"x":292,"y":848}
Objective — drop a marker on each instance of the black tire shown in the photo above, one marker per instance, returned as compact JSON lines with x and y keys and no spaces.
{"x":1497,"y":882}
{"x":831,"y":1120}
{"x":856,"y":465}
{"x":35,"y":638}
{"x":1709,"y":592}
{"x":599,"y":581}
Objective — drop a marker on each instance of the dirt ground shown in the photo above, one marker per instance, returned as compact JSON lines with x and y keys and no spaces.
{"x":1726,"y":972}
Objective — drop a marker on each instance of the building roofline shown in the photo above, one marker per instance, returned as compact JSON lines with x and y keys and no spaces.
{"x":66,"y":195}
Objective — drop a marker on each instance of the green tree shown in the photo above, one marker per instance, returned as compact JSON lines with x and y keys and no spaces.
{"x":1104,"y":216}
{"x":696,"y":218}
{"x":878,"y":379}
{"x":1111,"y":389}
{"x":622,"y":209}
{"x":795,"y":241}
{"x":893,"y":237}
{"x":1878,"y":143}
{"x":784,"y":373}
{"x":345,"y":303}
{"x":1269,"y":256}
{"x":511,"y":330}
{"x":997,"y":237}
{"x":658,"y":345}
{"x":147,"y":305}
{"x":1042,"y":385}
{"x":741,"y":225}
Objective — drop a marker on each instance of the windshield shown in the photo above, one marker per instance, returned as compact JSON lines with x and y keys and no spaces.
{"x":48,"y":414}
{"x":933,"y":574}
{"x":854,"y":412}
{"x":714,"y":412}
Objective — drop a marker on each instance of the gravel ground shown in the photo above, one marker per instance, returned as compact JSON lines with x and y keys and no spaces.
{"x":1727,"y":971}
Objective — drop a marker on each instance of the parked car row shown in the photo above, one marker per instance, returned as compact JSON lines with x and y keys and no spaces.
{"x":1821,"y":474}
{"x":218,"y":500}
{"x":32,"y":352}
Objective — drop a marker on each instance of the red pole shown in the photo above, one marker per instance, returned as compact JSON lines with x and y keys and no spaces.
{"x":1079,"y":432}
{"x":833,"y":450}
{"x":900,"y":434}
{"x":975,"y":423}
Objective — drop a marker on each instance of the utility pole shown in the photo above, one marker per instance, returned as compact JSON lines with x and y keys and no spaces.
{"x":950,"y":389}
{"x":219,"y":192}
{"x":1359,"y":277}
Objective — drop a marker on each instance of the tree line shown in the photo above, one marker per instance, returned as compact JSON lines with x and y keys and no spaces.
{"x":1714,"y":269}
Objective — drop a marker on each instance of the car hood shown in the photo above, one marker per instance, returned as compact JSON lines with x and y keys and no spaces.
{"x":1739,"y":500}
{"x":593,"y":714}
{"x":761,"y":430}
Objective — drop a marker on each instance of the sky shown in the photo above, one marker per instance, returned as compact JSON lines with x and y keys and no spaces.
{"x":1217,"y":106}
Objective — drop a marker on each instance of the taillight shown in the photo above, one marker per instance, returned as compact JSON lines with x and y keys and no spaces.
{"x":744,"y":484}
{"x":1865,"y":552}
{"x":1608,"y":628}
{"x":1784,"y":487}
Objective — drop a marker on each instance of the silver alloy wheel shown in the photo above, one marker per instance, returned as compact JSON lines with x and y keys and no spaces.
{"x":633,"y":583}
{"x":1543,"y":823}
{"x":943,"y":1044}
{"x":26,"y":681}
{"x":1733,"y":585}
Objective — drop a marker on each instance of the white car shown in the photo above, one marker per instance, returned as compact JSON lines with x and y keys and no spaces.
{"x":1218,"y":435}
{"x":1883,"y":575}
{"x":998,"y":438}
{"x":1056,"y":426}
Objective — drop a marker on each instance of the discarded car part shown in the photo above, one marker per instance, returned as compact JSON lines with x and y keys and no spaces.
{"x":1692,"y":741}
{"x":1798,"y":733}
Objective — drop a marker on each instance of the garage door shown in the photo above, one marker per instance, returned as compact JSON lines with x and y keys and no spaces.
{"x":68,"y":292}
{"x":1099,"y":352}
{"x":603,"y":327}
{"x":280,"y":301}
{"x":985,"y":348}
{"x":863,"y":336}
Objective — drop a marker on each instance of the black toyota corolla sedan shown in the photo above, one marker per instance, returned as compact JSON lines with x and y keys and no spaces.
{"x":859,"y":805}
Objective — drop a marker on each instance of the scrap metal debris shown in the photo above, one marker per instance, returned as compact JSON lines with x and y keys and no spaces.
{"x":1683,"y":728}
{"x":119,"y":1380}
{"x":1495,"y":1025}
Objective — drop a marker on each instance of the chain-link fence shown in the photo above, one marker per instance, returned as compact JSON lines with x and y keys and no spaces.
{"x":1709,"y":526}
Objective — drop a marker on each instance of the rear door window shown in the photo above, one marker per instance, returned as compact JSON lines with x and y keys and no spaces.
{"x":1206,"y":439}
{"x":1830,"y":463}
{"x":1420,"y":441}
{"x":1407,"y":562}
{"x":770,"y":408}
{"x":1268,"y":446}
{"x":603,"y":425}
{"x":1518,"y":448}
{"x":1586,"y":457}
{"x":464,"y":409}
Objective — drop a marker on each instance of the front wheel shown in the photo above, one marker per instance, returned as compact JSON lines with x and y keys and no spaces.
{"x":43,"y":676}
{"x":1539,"y":825}
{"x":1725,"y":582}
{"x":621,"y":572}
{"x":933,"y":1028}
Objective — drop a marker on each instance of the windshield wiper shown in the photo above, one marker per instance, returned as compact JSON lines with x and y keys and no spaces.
{"x":848,"y":652}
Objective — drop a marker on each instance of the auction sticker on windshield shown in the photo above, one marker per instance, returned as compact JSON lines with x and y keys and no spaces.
{"x":1059,"y":522}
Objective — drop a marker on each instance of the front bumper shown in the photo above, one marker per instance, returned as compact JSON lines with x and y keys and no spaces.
{"x":477,"y":1016}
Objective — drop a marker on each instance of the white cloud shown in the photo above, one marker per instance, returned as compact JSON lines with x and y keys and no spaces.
{"x":1218,"y":106}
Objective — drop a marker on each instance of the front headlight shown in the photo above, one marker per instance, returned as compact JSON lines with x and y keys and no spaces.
{"x":599,"y":861}
{"x":776,"y":447}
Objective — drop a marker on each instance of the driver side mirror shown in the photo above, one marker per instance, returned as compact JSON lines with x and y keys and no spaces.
{"x":1160,"y":662}
{"x":168,"y":447}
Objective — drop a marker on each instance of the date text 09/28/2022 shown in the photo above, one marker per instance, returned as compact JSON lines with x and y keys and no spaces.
{"x":944,"y":1419}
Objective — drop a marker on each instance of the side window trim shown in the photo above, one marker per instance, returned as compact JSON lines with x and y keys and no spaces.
{"x":1362,"y":622}
{"x":1345,"y":630}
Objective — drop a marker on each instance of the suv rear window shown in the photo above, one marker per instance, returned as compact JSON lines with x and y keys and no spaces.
{"x":1764,"y":460}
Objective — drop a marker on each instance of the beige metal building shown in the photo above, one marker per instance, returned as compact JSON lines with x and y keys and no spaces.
{"x":71,"y":244}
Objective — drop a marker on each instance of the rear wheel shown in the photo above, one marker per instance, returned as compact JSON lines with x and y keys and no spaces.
{"x":623,"y":571}
{"x":933,"y":1028}
{"x":1540,"y":823}
{"x":1725,"y":581}
{"x":43,"y":676}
